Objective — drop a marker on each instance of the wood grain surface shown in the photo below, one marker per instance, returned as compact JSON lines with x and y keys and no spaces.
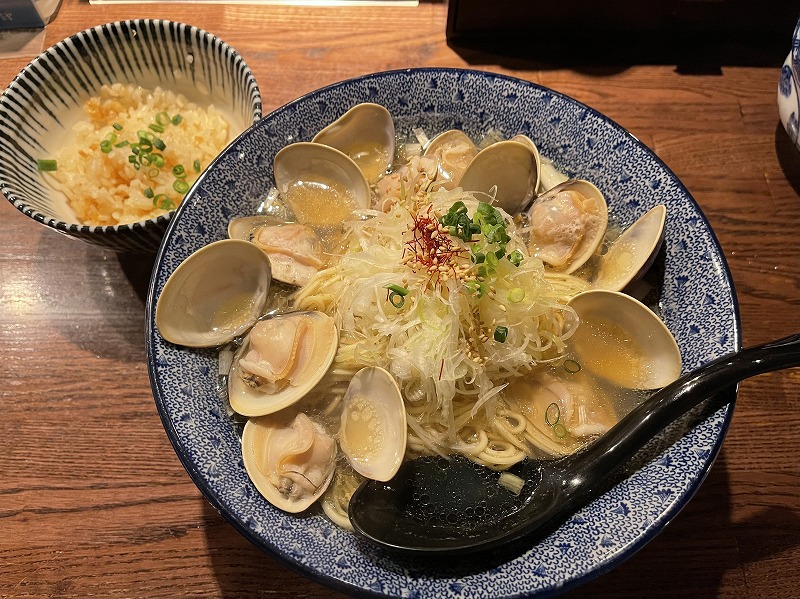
{"x":93,"y":500}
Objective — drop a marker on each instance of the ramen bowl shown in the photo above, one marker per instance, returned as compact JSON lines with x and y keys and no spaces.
{"x":690,"y":287}
{"x":44,"y":101}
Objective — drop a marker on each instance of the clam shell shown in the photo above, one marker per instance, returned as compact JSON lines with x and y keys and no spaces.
{"x":322,"y":185}
{"x":366,"y":134}
{"x":563,"y":233}
{"x":632,"y":253}
{"x":316,"y":347}
{"x":215,"y":295}
{"x":511,"y":167}
{"x":621,"y":340}
{"x":373,"y":432}
{"x":289,"y":458}
{"x":453,"y":150}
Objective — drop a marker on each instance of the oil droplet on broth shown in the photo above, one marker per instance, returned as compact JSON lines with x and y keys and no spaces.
{"x":607,"y":350}
{"x":320,"y":203}
{"x":364,"y":430}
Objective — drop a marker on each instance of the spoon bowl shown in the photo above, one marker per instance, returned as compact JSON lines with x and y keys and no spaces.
{"x":437,"y":506}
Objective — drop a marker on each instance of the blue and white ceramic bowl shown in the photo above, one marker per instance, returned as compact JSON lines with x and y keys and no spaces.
{"x":692,"y":291}
{"x":789,"y":89}
{"x":45,"y":100}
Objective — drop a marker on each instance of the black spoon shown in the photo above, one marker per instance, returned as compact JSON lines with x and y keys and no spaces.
{"x":437,"y":506}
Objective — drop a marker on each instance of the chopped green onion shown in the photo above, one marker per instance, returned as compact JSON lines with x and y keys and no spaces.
{"x":158,"y":160}
{"x":162,"y":118}
{"x":148,"y":193}
{"x":476,"y":287}
{"x":397,"y":289}
{"x":156,"y":128}
{"x":396,"y":299}
{"x":179,"y":171}
{"x":572,"y":366}
{"x":162,"y":201}
{"x":560,"y":431}
{"x":122,"y":144}
{"x":176,"y":120}
{"x":117,"y":126}
{"x":159,"y":144}
{"x":491,"y":260}
{"x":501,"y":334}
{"x":478,"y":257}
{"x":148,"y":135}
{"x":47,"y":165}
{"x":153,"y":173}
{"x":180,"y":186}
{"x":515,"y":257}
{"x":552,"y":414}
{"x":196,"y":165}
{"x":516,"y":295}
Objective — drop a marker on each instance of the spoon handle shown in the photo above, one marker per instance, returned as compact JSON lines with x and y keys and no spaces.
{"x":631,"y":433}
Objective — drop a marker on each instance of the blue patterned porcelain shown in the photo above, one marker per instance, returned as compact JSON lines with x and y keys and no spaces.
{"x":45,"y":99}
{"x":789,"y":89}
{"x":694,"y":295}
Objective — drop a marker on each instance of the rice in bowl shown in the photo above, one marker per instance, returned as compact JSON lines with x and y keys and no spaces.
{"x":135,"y":154}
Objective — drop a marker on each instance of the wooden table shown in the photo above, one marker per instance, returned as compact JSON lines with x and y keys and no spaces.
{"x":93,"y":500}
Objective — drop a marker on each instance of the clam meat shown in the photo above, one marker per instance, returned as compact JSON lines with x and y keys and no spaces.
{"x":280,"y":361}
{"x":562,"y":411}
{"x":290,"y":459}
{"x":567,"y":224}
{"x":453,"y":152}
{"x":294,"y":250}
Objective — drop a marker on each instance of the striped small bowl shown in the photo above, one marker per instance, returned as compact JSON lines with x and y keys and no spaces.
{"x":47,"y":96}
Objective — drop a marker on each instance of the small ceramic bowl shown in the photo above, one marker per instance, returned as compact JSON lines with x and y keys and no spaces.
{"x":45,"y":100}
{"x":789,"y":89}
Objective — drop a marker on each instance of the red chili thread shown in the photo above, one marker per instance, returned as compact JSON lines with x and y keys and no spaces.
{"x":429,"y":249}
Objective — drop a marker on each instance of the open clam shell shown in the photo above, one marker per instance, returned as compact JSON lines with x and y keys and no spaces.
{"x":511,"y":167}
{"x":294,"y":250}
{"x":373,"y":432}
{"x":632,"y":253}
{"x":567,"y":224}
{"x":322,"y":185}
{"x":453,"y":151}
{"x":289,"y":458}
{"x":621,"y":340}
{"x":215,"y":295}
{"x":366,"y":134}
{"x":280,"y":361}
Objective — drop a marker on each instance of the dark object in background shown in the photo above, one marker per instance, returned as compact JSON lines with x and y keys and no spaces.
{"x":626,"y":31}
{"x":20,"y":14}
